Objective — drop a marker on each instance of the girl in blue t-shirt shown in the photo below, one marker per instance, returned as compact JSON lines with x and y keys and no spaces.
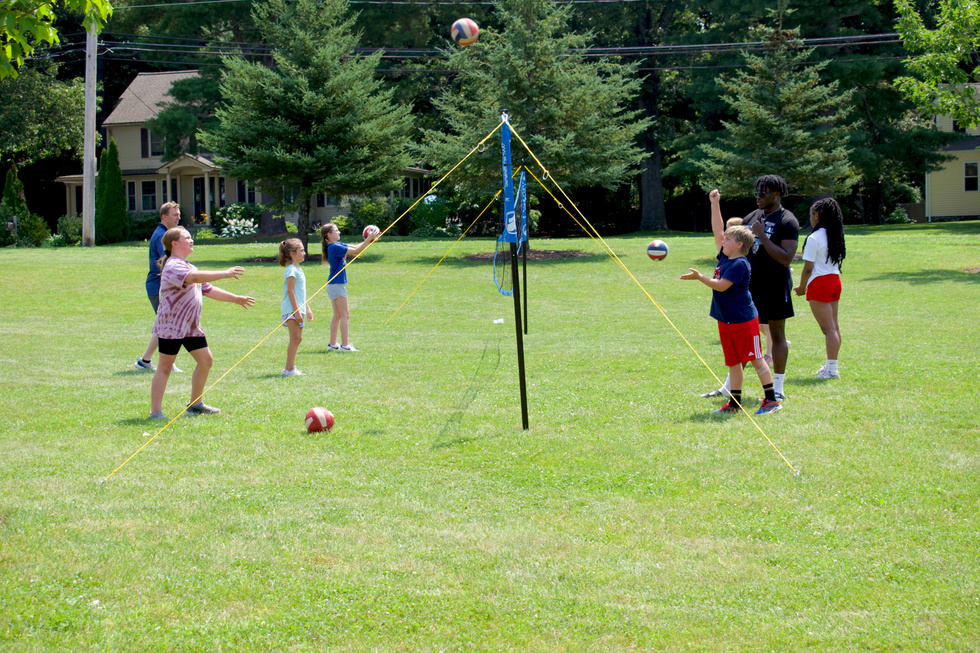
{"x":294,"y":307}
{"x":335,"y":254}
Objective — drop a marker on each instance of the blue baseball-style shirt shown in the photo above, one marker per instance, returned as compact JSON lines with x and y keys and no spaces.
{"x":156,"y":252}
{"x":733,"y":306}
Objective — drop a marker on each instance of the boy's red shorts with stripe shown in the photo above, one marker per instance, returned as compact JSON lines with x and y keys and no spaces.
{"x":824,"y":289}
{"x":740,"y":341}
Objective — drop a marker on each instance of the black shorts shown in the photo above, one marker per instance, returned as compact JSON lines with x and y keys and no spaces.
{"x":170,"y":347}
{"x":773,"y":301}
{"x":154,"y":302}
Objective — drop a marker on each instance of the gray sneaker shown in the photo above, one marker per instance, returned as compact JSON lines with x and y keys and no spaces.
{"x":202,"y":409}
{"x":157,"y":415}
{"x":141,"y":364}
{"x":176,"y":369}
{"x":824,"y":373}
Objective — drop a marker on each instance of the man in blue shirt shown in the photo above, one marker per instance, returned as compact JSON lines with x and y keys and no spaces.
{"x":169,"y":218}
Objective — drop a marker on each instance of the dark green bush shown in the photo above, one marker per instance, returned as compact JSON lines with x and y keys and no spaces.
{"x":32,"y":231}
{"x":111,"y":217}
{"x":70,"y":228}
{"x":142,"y":225}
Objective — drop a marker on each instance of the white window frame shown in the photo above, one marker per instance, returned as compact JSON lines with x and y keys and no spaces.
{"x":975,"y":176}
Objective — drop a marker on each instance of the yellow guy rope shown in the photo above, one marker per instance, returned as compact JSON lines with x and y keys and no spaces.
{"x":279,"y":326}
{"x":597,"y":237}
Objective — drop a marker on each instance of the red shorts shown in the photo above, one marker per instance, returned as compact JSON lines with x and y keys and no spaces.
{"x":824,"y":289}
{"x":740,"y":341}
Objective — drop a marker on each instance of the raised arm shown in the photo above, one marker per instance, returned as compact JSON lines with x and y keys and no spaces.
{"x":200,"y":276}
{"x":357,"y":249}
{"x":717,"y":224}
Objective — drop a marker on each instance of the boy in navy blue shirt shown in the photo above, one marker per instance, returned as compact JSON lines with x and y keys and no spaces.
{"x":731,"y":305}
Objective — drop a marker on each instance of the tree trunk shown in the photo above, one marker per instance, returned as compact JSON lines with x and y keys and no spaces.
{"x":303,"y":217}
{"x":653,"y":212}
{"x":271,"y":225}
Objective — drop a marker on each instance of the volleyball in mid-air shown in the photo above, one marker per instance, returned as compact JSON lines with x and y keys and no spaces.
{"x":319,"y":419}
{"x":370,"y":230}
{"x":465,"y":31}
{"x":657,"y":250}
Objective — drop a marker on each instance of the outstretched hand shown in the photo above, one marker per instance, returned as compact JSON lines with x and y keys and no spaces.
{"x":235,"y":272}
{"x":714,"y":196}
{"x":693,"y":275}
{"x":244,"y":302}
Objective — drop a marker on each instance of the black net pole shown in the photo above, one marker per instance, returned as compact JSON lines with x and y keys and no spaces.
{"x":520,"y":337}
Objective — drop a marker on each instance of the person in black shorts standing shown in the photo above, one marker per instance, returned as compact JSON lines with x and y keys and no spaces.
{"x":777,"y":234}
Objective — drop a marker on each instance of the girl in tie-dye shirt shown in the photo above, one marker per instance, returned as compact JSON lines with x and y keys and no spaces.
{"x":178,"y":323}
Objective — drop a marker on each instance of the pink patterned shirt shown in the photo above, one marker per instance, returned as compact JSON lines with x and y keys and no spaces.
{"x":179,"y":313}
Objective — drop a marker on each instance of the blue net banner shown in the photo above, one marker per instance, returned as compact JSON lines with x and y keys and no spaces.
{"x":522,"y":200}
{"x":509,"y":232}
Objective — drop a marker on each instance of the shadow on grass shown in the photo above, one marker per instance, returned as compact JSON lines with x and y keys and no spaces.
{"x":922,"y":277}
{"x":486,"y":368}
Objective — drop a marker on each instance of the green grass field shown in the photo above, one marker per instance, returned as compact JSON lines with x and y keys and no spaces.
{"x":624,"y":519}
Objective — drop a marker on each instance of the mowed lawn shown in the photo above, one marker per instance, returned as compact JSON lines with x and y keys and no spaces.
{"x":625,"y":518}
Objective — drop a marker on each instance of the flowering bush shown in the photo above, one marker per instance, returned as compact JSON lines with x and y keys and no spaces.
{"x":237,"y":227}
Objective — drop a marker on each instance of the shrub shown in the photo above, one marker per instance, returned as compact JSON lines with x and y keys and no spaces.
{"x":111,"y":216}
{"x":363,"y":210}
{"x":70,"y":229}
{"x":898,"y":216}
{"x":291,"y":228}
{"x":433,"y":212}
{"x":204,"y":234}
{"x":344,"y":224}
{"x":142,"y":225}
{"x":32,"y":231}
{"x":13,"y":204}
{"x":235,"y":228}
{"x":250,"y":212}
{"x":56,"y":240}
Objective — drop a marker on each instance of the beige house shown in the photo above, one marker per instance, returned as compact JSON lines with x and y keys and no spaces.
{"x":953,"y":193}
{"x":193,"y":181}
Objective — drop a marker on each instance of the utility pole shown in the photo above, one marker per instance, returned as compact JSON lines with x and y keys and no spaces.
{"x":88,"y":154}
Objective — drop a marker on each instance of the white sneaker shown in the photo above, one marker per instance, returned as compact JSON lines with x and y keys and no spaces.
{"x":176,"y":369}
{"x":722,"y":391}
{"x":333,"y":347}
{"x":348,"y":348}
{"x":141,"y":364}
{"x":824,"y":373}
{"x":293,"y":372}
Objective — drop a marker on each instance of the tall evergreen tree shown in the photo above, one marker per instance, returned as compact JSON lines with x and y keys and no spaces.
{"x":789,"y":123}
{"x":572,"y":112}
{"x":111,"y":216}
{"x":318,"y":121}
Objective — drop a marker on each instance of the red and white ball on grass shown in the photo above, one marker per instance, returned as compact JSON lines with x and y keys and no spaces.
{"x":369,"y":231}
{"x":319,"y":419}
{"x":465,"y":32}
{"x":657,"y":250}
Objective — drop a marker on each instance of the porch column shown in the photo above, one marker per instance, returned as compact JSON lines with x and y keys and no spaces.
{"x":169,"y":188}
{"x":207,"y":198}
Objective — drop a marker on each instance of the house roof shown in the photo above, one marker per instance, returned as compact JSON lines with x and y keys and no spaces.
{"x":144,"y":97}
{"x":964,"y":145}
